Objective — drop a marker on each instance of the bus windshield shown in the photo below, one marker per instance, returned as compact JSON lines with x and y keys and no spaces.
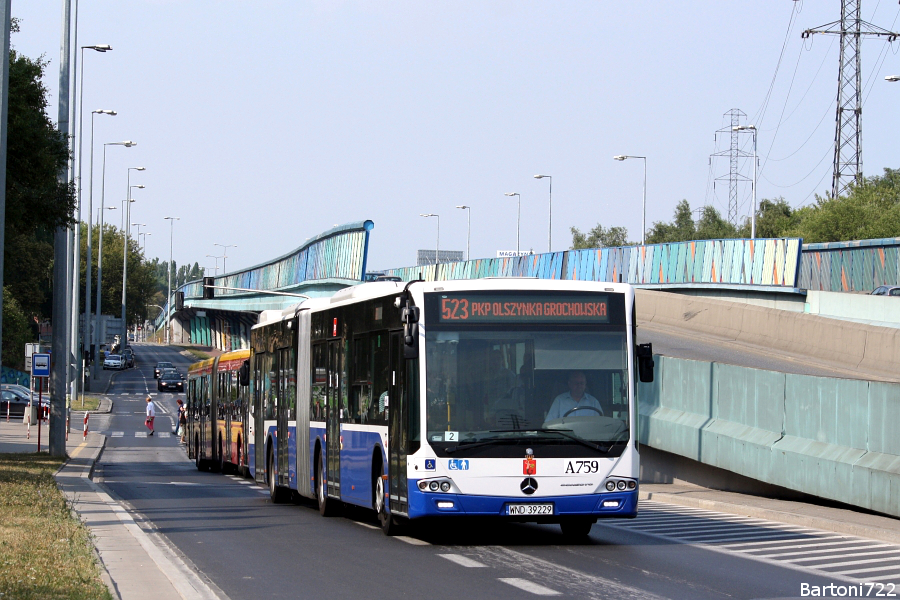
{"x":538,"y":383}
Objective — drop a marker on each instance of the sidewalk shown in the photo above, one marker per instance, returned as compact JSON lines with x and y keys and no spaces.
{"x":135,"y":564}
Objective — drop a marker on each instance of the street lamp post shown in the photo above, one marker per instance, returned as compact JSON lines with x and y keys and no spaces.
{"x":550,"y":211}
{"x":892,"y":78}
{"x":644,"y":201}
{"x":752,"y":129}
{"x":171,"y":221}
{"x":89,"y":332}
{"x":144,"y":246}
{"x":127,"y":228}
{"x":437,"y":247}
{"x":225,"y":248}
{"x":76,"y":258}
{"x":468,"y":210}
{"x":518,"y":217}
{"x":96,"y":342}
{"x":217,"y":262}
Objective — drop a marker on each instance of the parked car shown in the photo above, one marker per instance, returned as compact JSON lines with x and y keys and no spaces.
{"x":170,"y":381}
{"x":160,"y":367}
{"x":128,"y":355}
{"x":12,"y":402}
{"x":887,"y":290}
{"x":17,"y":397}
{"x":113,"y":361}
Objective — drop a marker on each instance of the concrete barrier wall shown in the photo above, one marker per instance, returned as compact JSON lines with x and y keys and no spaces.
{"x":882,"y":311}
{"x":841,"y":343}
{"x":832,"y":438}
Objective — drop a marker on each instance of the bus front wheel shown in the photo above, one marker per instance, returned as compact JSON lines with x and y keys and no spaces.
{"x":388,"y":523}
{"x":577,"y":527}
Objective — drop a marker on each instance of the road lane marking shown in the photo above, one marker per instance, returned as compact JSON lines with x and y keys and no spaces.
{"x":412,"y":541}
{"x":117,"y":434}
{"x":529,"y":586}
{"x":463,"y":561}
{"x":366,"y":525}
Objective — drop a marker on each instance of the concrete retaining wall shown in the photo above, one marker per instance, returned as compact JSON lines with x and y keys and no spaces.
{"x":831,"y":438}
{"x":881,"y":311}
{"x":845,"y":344}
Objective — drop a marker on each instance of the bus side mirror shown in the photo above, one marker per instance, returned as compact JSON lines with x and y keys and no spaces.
{"x":645,"y":362}
{"x":409,"y":316}
{"x":244,"y":373}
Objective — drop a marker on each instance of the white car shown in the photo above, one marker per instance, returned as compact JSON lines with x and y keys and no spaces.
{"x":114,"y":361}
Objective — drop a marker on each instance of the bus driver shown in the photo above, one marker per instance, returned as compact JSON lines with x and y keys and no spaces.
{"x":576,"y":401}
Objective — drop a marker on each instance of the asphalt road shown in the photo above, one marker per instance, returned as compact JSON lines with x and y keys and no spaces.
{"x":227,"y":528}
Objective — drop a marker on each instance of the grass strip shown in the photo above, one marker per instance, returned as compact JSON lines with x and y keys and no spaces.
{"x":91,"y":402}
{"x":45,"y":552}
{"x":198,"y":354}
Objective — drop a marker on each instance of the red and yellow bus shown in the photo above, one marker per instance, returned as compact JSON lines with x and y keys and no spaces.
{"x":217,"y":402}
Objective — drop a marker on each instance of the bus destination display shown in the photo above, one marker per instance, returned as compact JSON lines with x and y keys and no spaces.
{"x":481,"y":308}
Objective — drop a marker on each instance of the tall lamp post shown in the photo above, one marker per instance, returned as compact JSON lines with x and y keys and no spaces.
{"x":225,"y":248}
{"x":892,"y":78}
{"x":751,"y":128}
{"x":144,"y":246}
{"x":622,"y":157}
{"x":96,"y":342}
{"x":437,"y":247}
{"x":168,"y":310}
{"x":468,"y":210}
{"x":550,"y":211}
{"x":127,"y":228}
{"x":518,"y":216}
{"x":77,"y":348}
{"x":217,"y":262}
{"x":89,"y":331}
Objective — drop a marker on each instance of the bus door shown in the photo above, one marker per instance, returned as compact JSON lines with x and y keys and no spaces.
{"x":259,"y":420}
{"x":397,"y":430}
{"x":333,"y":420}
{"x":282,"y":406}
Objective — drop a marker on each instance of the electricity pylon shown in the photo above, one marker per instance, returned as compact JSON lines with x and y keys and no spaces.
{"x":848,"y":120}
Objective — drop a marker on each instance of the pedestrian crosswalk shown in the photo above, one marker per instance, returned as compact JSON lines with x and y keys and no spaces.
{"x":839,"y":556}
{"x":138,"y":434}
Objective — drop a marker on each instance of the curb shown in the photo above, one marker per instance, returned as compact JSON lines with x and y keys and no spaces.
{"x":770,"y":514}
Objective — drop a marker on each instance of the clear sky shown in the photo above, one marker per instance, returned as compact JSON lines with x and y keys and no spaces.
{"x":264,"y":123}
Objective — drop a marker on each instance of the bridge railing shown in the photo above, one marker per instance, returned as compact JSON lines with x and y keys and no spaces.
{"x":772,"y":262}
{"x":859,"y":266}
{"x":339,"y":253}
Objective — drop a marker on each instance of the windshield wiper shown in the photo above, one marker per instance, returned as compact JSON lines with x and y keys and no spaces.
{"x":563,"y":432}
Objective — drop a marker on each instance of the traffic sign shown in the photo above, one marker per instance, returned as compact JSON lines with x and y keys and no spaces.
{"x":40,"y":365}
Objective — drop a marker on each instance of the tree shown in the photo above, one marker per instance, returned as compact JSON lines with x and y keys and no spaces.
{"x":36,"y":202}
{"x":681,"y":229}
{"x":712,"y":226}
{"x":16,"y":332}
{"x":598,"y":237}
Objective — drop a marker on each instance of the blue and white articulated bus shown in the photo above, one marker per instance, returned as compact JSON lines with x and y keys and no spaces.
{"x":507,"y":398}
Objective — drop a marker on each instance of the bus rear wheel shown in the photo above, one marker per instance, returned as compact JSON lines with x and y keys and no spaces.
{"x":276,"y":493}
{"x":220,"y":464}
{"x":201,"y":464}
{"x":327,"y":506}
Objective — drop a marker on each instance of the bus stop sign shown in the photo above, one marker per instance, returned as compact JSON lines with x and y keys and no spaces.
{"x":40,"y":365}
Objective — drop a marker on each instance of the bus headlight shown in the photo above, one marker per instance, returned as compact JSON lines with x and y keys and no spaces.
{"x":610,"y":486}
{"x":434,"y":486}
{"x":445,"y":486}
{"x":620,"y":486}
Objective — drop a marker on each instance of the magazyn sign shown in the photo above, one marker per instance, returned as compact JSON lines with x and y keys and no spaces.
{"x":510,"y":253}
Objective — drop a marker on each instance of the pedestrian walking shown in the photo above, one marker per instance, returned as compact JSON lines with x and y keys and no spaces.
{"x":179,"y":423}
{"x":182,"y":421}
{"x":151,"y":414}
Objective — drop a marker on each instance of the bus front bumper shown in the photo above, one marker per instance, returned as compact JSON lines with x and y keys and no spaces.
{"x":597,"y":506}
